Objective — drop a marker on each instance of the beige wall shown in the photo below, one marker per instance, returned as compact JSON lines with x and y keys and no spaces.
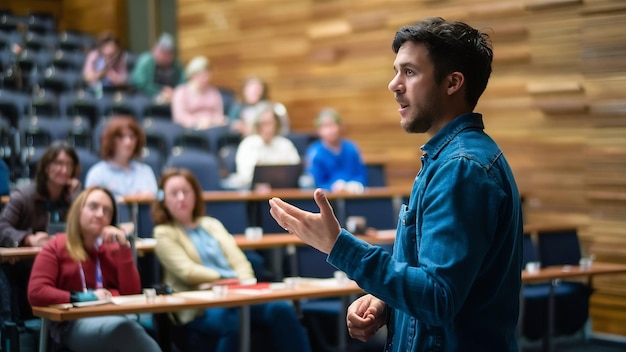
{"x":556,"y":102}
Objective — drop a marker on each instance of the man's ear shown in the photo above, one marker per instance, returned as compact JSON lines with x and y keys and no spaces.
{"x":456,"y":80}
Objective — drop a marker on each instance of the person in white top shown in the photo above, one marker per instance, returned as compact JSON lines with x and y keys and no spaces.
{"x":265,"y":147}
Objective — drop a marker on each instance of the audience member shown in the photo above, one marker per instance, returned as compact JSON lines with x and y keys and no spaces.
{"x":197,"y":104}
{"x":34,"y":209}
{"x":265,"y":147}
{"x":105,"y":66}
{"x":195,"y":249}
{"x":335,"y":162}
{"x":120,"y":170}
{"x":254,"y":96}
{"x":157,"y":73}
{"x":5,"y":179}
{"x":93,"y":261}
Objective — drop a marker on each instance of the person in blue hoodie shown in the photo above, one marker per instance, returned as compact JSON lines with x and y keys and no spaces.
{"x":454,"y":278}
{"x":334,"y":162}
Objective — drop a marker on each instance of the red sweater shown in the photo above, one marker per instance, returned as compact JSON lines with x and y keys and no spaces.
{"x":55,"y":274}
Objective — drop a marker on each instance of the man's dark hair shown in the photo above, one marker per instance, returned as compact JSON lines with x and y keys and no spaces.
{"x":452,"y":47}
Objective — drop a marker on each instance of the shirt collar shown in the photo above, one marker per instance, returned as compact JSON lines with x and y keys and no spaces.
{"x":436,"y":144}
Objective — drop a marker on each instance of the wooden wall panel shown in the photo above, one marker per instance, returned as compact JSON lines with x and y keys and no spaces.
{"x":86,"y":16}
{"x":556,"y":102}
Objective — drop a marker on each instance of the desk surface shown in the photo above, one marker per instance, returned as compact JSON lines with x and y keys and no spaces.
{"x":573,"y":271}
{"x":267,"y":241}
{"x":286,"y":194}
{"x":308,"y":288}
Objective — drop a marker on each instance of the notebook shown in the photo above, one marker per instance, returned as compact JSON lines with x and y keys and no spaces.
{"x":277,"y":176}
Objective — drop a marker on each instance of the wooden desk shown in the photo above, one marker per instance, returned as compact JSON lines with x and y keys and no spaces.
{"x":308,"y":288}
{"x":572,"y":271}
{"x":267,"y":241}
{"x":17,"y":253}
{"x":285,"y":194}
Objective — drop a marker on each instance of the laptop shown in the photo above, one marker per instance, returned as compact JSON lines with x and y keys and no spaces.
{"x":277,"y":176}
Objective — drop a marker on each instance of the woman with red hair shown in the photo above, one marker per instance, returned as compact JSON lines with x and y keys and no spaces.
{"x":120,"y":170}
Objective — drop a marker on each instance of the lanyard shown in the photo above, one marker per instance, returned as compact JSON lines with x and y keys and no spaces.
{"x":99,"y":283}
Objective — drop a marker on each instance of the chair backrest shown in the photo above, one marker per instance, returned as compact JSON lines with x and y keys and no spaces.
{"x":158,"y":110}
{"x":301,"y":141}
{"x":153,"y":159}
{"x":162,"y":127}
{"x":191,"y":139}
{"x":312,"y":263}
{"x":559,"y":248}
{"x":376,"y":175}
{"x":81,"y":103}
{"x":529,"y":252}
{"x":87,"y":160}
{"x":205,"y":166}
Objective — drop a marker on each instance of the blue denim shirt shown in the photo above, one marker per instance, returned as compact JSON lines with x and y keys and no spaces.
{"x":453,"y":281}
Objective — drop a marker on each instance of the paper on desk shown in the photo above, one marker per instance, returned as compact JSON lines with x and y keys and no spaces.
{"x":148,"y":241}
{"x":331,"y":282}
{"x":252,"y":291}
{"x":205,"y":294}
{"x":128,"y":299}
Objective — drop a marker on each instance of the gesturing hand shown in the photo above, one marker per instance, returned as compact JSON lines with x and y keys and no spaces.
{"x":365,"y":316}
{"x":317,"y":230}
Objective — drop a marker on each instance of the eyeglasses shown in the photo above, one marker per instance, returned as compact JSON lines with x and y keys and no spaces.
{"x":176,"y":193}
{"x":60,"y":164}
{"x":130,"y":136}
{"x":94,"y":207}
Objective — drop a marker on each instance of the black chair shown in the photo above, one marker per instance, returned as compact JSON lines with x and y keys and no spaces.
{"x":301,"y":141}
{"x":68,"y":60}
{"x":17,"y":325}
{"x":325,"y":317}
{"x":192,"y":139}
{"x":73,"y":41}
{"x":13,"y":106}
{"x":44,"y":104}
{"x":80,"y":134}
{"x":203,"y":165}
{"x":125,"y":104}
{"x":158,"y":111}
{"x":81,"y":103}
{"x":41,"y":23}
{"x":154,"y":160}
{"x":158,"y":130}
{"x":40,"y":131}
{"x":87,"y":159}
{"x":9,"y":22}
{"x":570,"y":299}
{"x":59,"y":81}
{"x":563,"y":248}
{"x":376,"y":175}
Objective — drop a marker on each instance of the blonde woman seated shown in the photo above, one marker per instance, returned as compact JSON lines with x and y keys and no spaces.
{"x":197,"y":104}
{"x":265,"y":147}
{"x":92,"y":262}
{"x":195,"y":249}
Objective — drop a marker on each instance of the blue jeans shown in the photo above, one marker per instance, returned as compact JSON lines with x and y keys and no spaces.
{"x":279,"y":318}
{"x":110,"y":333}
